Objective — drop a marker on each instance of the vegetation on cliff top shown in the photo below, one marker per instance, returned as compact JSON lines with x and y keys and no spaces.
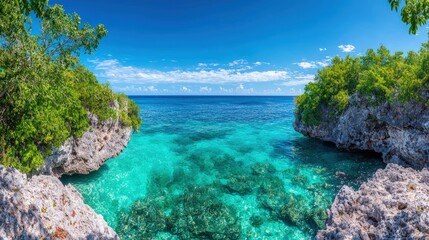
{"x":379,"y":75}
{"x":45,"y":93}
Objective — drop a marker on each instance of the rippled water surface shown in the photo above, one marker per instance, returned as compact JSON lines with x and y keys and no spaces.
{"x":220,"y":168}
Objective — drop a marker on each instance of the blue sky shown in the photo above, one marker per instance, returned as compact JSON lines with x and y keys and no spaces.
{"x":258,"y":47}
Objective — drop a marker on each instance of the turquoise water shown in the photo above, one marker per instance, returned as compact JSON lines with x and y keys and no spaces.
{"x":220,"y":168}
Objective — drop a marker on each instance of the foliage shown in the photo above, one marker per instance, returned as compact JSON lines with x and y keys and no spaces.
{"x":45,"y":93}
{"x":414,"y":12}
{"x":379,"y":75}
{"x":129,"y":111}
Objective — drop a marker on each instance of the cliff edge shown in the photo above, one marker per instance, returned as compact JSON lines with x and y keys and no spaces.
{"x":41,"y":207}
{"x":399,"y":132}
{"x":394,"y":204}
{"x":103,"y":140}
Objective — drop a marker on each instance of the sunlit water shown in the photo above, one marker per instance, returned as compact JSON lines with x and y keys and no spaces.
{"x":196,"y":168}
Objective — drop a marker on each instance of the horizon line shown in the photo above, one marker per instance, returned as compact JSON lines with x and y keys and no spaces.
{"x":196,"y":95}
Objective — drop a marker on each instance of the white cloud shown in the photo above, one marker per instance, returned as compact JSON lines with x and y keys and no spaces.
{"x":299,"y":80}
{"x":315,"y":64}
{"x":205,"y":89}
{"x":241,"y":89}
{"x":323,"y":49}
{"x":136,"y":89}
{"x":152,"y":89}
{"x":323,"y":63}
{"x":113,"y":71}
{"x":347,"y":48}
{"x":185,"y":89}
{"x":226,"y":90}
{"x":307,"y":65}
{"x":278,"y":90}
{"x":206,"y":66}
{"x":237,"y":62}
{"x":261,"y":63}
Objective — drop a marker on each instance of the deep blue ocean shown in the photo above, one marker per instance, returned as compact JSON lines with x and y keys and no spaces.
{"x":220,"y":168}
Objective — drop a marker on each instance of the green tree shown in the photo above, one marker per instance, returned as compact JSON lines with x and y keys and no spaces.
{"x":414,"y":12}
{"x":45,"y":93}
{"x":379,"y":76}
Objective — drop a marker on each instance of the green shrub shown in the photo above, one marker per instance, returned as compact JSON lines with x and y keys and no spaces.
{"x":378,"y":75}
{"x":45,"y":94}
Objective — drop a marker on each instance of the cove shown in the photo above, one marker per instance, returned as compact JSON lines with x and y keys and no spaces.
{"x":220,"y":167}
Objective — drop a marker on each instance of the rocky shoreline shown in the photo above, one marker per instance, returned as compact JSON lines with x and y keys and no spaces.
{"x":41,"y":207}
{"x":399,"y":132}
{"x":88,"y":153}
{"x":394,"y":203}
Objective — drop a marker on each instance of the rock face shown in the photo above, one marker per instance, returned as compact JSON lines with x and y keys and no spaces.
{"x":101,"y":142}
{"x":399,"y":132}
{"x":43,"y":208}
{"x":392,"y":205}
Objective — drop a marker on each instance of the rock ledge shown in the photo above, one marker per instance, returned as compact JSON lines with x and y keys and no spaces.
{"x":394,"y":204}
{"x":43,"y":208}
{"x":399,"y":132}
{"x":88,"y":153}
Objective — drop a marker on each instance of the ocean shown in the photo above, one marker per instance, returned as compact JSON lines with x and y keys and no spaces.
{"x":220,"y":167}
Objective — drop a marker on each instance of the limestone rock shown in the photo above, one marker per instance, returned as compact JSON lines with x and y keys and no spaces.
{"x":399,"y":132}
{"x":102,"y":141}
{"x":394,"y":204}
{"x":43,"y":208}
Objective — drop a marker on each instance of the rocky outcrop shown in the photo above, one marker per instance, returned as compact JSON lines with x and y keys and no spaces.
{"x":102,"y":141}
{"x":43,"y":208}
{"x":394,"y":204}
{"x":400,"y":132}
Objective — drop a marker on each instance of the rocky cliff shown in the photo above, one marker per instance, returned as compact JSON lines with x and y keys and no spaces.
{"x":43,"y":208}
{"x":394,"y":204}
{"x":86,"y":154}
{"x":399,"y":132}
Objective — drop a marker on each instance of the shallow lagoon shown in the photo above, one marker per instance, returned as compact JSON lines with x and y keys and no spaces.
{"x":220,"y":168}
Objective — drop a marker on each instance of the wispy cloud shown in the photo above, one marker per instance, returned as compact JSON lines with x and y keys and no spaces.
{"x":205,"y":89}
{"x":185,"y":90}
{"x":299,"y":80}
{"x":347,"y":48}
{"x":261,"y":63}
{"x":115,"y":72}
{"x":306,"y":65}
{"x":323,"y":49}
{"x":314,"y":64}
{"x":238,"y":62}
{"x":138,"y":89}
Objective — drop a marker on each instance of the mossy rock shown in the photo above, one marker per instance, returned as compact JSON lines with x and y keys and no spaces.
{"x":271,"y":193}
{"x":290,"y":172}
{"x":317,"y":218}
{"x":300,"y":180}
{"x":242,"y":184}
{"x":200,"y":214}
{"x":143,"y":221}
{"x":294,"y":211}
{"x":263,"y":169}
{"x":256,"y":221}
